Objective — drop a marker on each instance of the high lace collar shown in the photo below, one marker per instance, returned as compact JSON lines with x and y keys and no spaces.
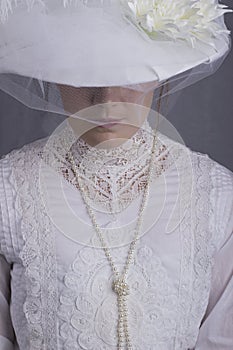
{"x":113,"y":177}
{"x":90,"y":158}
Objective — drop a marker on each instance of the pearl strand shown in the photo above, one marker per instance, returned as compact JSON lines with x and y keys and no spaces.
{"x":119,"y":286}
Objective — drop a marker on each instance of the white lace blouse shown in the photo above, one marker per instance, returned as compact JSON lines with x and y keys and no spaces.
{"x":55,"y":280}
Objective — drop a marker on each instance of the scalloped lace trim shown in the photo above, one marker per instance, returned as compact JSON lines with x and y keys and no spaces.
{"x":197,"y":256}
{"x":38,"y":253}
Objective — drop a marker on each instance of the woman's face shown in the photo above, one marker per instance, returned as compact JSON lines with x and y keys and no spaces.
{"x":109,"y":111}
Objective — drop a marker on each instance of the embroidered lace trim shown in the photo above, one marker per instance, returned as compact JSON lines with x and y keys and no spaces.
{"x":197,"y":255}
{"x":38,"y":253}
{"x":88,"y":309}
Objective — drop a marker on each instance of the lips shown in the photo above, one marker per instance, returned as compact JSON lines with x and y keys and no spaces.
{"x":108,"y":125}
{"x":108,"y":122}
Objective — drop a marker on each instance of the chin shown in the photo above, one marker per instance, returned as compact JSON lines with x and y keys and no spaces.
{"x":116,"y":134}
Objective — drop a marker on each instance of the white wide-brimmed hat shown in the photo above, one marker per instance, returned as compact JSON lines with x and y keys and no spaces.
{"x":108,"y":42}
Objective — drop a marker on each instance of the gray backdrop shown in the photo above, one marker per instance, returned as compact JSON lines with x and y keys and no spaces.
{"x":204,"y":112}
{"x":203,"y":115}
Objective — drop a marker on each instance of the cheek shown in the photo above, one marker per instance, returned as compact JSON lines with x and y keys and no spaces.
{"x":148,"y":99}
{"x":142,"y":98}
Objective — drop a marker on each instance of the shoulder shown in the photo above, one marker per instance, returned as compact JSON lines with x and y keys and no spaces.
{"x":219,"y":180}
{"x":21,"y":162}
{"x":203,"y":166}
{"x":219,"y":176}
{"x":15,"y":170}
{"x":25,"y":153}
{"x":211,"y":188}
{"x":21,"y":158}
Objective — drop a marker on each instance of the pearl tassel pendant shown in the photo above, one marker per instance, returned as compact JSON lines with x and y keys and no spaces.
{"x":119,"y":285}
{"x":122,"y":290}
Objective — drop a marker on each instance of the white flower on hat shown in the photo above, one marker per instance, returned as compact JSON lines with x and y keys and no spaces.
{"x":188,"y":20}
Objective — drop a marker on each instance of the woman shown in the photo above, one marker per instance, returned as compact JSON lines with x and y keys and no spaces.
{"x":113,"y":235}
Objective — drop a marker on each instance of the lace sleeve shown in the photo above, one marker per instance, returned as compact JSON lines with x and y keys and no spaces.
{"x":216,"y":331}
{"x":6,"y":329}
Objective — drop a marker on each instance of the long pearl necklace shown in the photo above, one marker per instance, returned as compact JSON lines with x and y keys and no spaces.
{"x":119,"y":286}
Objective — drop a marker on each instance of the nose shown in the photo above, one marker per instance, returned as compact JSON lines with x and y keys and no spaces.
{"x":109,"y":94}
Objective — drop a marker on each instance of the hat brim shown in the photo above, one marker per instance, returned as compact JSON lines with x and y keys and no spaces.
{"x":91,"y":48}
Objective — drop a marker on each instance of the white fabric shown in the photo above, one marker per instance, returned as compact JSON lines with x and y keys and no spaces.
{"x":181,"y":278}
{"x":6,"y":329}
